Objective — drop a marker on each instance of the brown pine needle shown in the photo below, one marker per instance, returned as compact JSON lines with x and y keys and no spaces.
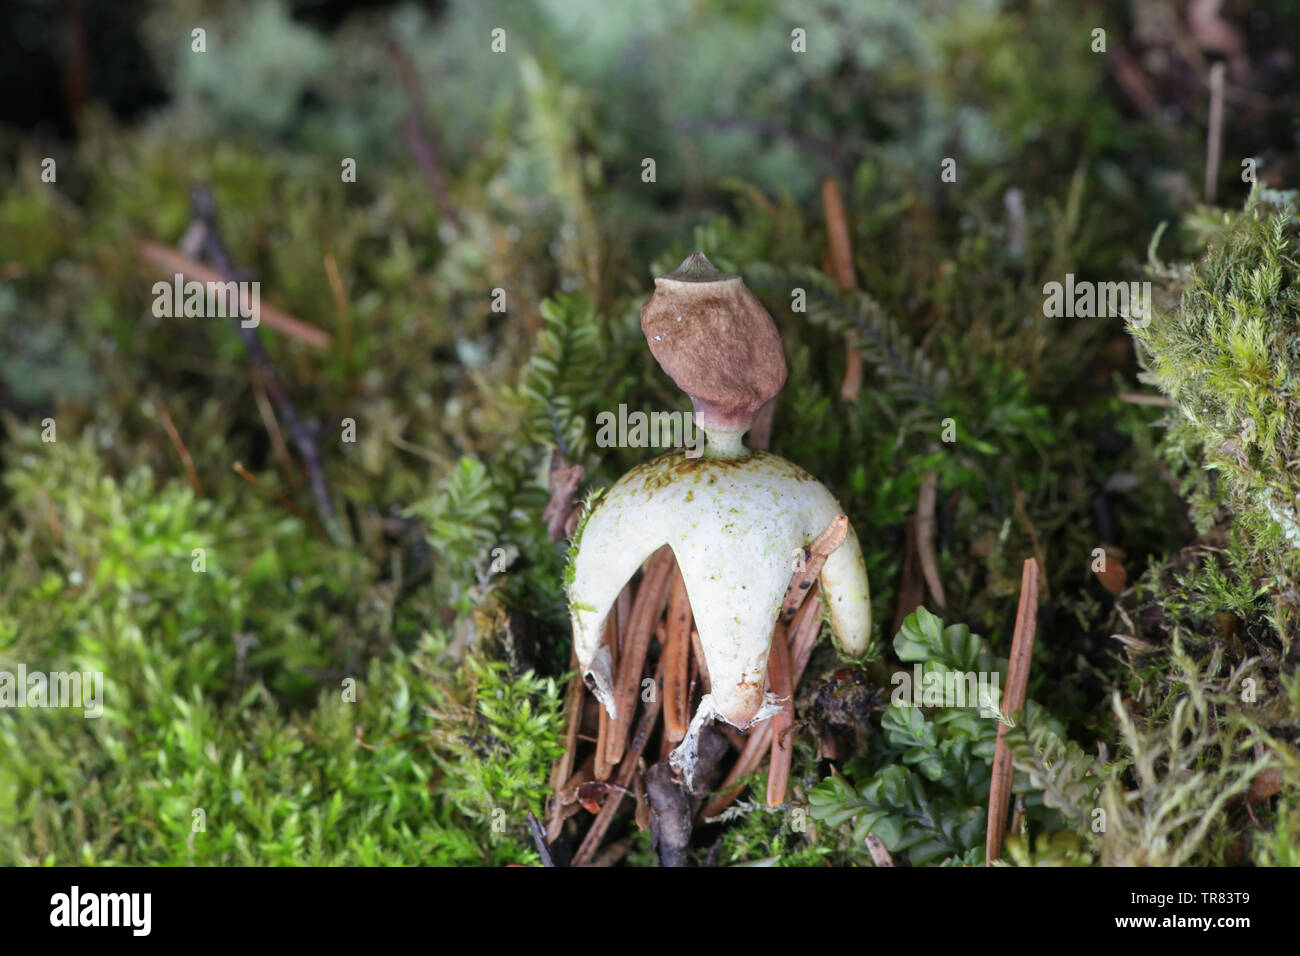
{"x":632,"y":756}
{"x":615,"y":638}
{"x":803,"y":634}
{"x":814,"y":560}
{"x":698,"y":657}
{"x":649,"y":604}
{"x":839,"y":265}
{"x":341,"y":306}
{"x":1022,"y":648}
{"x":252,"y":479}
{"x":925,"y":536}
{"x":603,"y":767}
{"x":778,"y":673}
{"x":361,"y":739}
{"x":174,"y":261}
{"x":615,"y":628}
{"x":1145,"y":398}
{"x":839,"y":252}
{"x":181,"y":450}
{"x":676,"y":640}
{"x":265,"y":409}
{"x":563,"y":766}
{"x":666,"y":743}
{"x":911,"y":588}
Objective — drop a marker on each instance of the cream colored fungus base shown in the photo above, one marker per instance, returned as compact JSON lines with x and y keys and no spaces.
{"x":736,"y":526}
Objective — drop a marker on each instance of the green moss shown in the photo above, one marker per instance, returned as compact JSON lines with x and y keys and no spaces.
{"x":496,"y":748}
{"x":1228,"y":354}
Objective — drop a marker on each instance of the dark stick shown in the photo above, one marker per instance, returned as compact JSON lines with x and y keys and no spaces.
{"x":214,"y":251}
{"x":539,"y":840}
{"x":670,"y":819}
{"x":421,"y":140}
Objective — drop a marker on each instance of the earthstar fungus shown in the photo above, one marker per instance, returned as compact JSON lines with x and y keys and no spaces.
{"x":736,"y":519}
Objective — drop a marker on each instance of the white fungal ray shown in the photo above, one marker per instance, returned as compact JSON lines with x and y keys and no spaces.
{"x":685,"y":757}
{"x":737,"y":527}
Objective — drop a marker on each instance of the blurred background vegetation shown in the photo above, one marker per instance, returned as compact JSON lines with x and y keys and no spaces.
{"x":522,"y":171}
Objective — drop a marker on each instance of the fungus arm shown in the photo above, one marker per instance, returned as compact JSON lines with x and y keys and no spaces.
{"x":848,"y":595}
{"x":614,"y":542}
{"x":843,"y":578}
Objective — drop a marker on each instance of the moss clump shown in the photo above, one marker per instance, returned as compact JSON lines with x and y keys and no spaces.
{"x":263,"y":701}
{"x":1208,"y":703}
{"x":1228,"y":354}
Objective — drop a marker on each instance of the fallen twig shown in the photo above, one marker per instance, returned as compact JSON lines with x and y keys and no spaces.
{"x":670,"y":815}
{"x":539,"y":840}
{"x":421,"y":140}
{"x":215,"y":252}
